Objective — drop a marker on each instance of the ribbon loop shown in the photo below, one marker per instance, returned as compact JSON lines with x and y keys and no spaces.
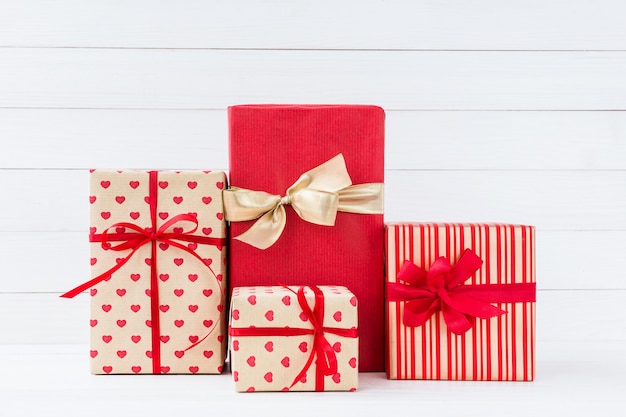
{"x":316,"y":197}
{"x":442,"y":289}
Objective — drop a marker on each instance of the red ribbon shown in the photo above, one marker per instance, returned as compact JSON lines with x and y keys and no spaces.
{"x":322,"y":351}
{"x":138,"y":239}
{"x":442,"y":289}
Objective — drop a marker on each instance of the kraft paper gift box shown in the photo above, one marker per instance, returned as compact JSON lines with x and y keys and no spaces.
{"x":271,"y":147}
{"x":294,"y":338}
{"x":158,"y":272}
{"x":460,"y":301}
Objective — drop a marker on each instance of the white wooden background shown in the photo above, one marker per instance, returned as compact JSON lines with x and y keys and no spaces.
{"x":510,"y":111}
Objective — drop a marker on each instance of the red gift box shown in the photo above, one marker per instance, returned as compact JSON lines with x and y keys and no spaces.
{"x":271,"y":146}
{"x":461,"y":301}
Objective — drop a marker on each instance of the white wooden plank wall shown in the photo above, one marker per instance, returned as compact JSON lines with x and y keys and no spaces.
{"x":496,"y":111}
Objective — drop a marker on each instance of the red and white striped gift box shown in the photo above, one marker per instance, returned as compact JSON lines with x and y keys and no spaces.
{"x":499,"y":348}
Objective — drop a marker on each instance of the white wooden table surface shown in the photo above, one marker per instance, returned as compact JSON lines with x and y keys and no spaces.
{"x":496,"y":111}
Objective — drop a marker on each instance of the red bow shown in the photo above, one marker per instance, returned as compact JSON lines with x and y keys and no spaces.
{"x":442,"y":289}
{"x":322,"y":351}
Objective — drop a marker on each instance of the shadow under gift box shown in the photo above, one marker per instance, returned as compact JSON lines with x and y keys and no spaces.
{"x":271,"y":146}
{"x":441,"y":278}
{"x":158,"y":241}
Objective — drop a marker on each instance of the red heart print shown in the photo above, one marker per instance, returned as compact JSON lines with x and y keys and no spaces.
{"x":93,"y":322}
{"x":121,"y":323}
{"x":163,"y":184}
{"x":194,"y":369}
{"x":207,"y":200}
{"x":337,"y":316}
{"x":105,"y":184}
{"x":165,"y":339}
{"x":120,"y":199}
{"x":136,"y":369}
{"x":207,"y":261}
{"x":120,"y":292}
{"x":251,"y":361}
{"x":193,"y":308}
{"x":193,"y":339}
{"x":134,"y":215}
{"x":93,"y":261}
{"x":93,"y":291}
{"x":353,"y":301}
{"x":219,"y":277}
{"x":135,"y":277}
{"x":163,"y":246}
{"x":134,"y":184}
{"x":121,"y":353}
{"x":148,"y":261}
{"x":285,"y":362}
{"x":207,"y":354}
{"x":220,"y":307}
{"x":303,"y":347}
{"x":146,"y":199}
{"x":286,"y":300}
{"x":207,"y":323}
{"x":179,"y":323}
{"x":207,"y":230}
{"x":193,"y":214}
{"x":192,"y":184}
{"x":105,"y":215}
{"x":192,"y":277}
{"x":149,"y":323}
{"x":207,"y":292}
{"x":303,"y":379}
{"x":219,"y":216}
{"x":92,"y":230}
{"x":164,"y":277}
{"x":135,"y":308}
{"x":164,"y":308}
{"x":219,"y":185}
{"x":236,"y":376}
{"x":178,"y":292}
{"x":250,"y":389}
{"x":235,"y":345}
{"x":220,"y":338}
{"x":92,"y":199}
{"x":269,"y":346}
{"x":177,"y":199}
{"x":337,"y":347}
{"x":269,"y":315}
{"x":163,"y":215}
{"x":120,"y":229}
{"x":178,"y":261}
{"x":179,"y":353}
{"x":106,"y":307}
{"x":149,"y":354}
{"x":165,"y":369}
{"x":107,"y":338}
{"x":303,"y":316}
{"x":135,"y":338}
{"x":252,"y":299}
{"x":268,"y":377}
{"x":337,"y":378}
{"x":93,"y":353}
{"x":352,"y":362}
{"x":107,"y":369}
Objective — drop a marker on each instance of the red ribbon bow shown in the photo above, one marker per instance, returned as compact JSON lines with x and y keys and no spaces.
{"x":140,"y":237}
{"x":322,"y":351}
{"x":442,"y":289}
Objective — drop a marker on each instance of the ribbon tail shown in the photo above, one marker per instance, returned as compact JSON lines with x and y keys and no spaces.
{"x":465,"y":267}
{"x":468,"y":305}
{"x":266,"y":230}
{"x":457,"y":322}
{"x":362,"y":199}
{"x":417,"y":312}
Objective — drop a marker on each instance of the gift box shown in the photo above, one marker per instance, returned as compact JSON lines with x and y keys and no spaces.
{"x":460,"y":301}
{"x":158,"y":272}
{"x":294,"y":339}
{"x":307,"y":204}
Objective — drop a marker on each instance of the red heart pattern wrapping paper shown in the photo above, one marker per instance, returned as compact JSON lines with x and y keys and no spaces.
{"x":271,"y":362}
{"x":190,"y":305}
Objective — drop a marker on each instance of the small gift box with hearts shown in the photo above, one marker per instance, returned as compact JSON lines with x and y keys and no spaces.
{"x":158,"y":272}
{"x":295,"y":338}
{"x":460,"y":301}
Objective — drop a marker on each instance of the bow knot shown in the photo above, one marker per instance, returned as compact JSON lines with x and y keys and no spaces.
{"x":316,"y":197}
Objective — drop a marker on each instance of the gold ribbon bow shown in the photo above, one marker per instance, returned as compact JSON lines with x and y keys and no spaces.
{"x":316,"y":197}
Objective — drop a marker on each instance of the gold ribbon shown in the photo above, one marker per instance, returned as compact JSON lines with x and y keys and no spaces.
{"x":316,"y":197}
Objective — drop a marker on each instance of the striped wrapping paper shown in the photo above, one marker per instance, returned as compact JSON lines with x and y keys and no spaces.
{"x":497,"y":349}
